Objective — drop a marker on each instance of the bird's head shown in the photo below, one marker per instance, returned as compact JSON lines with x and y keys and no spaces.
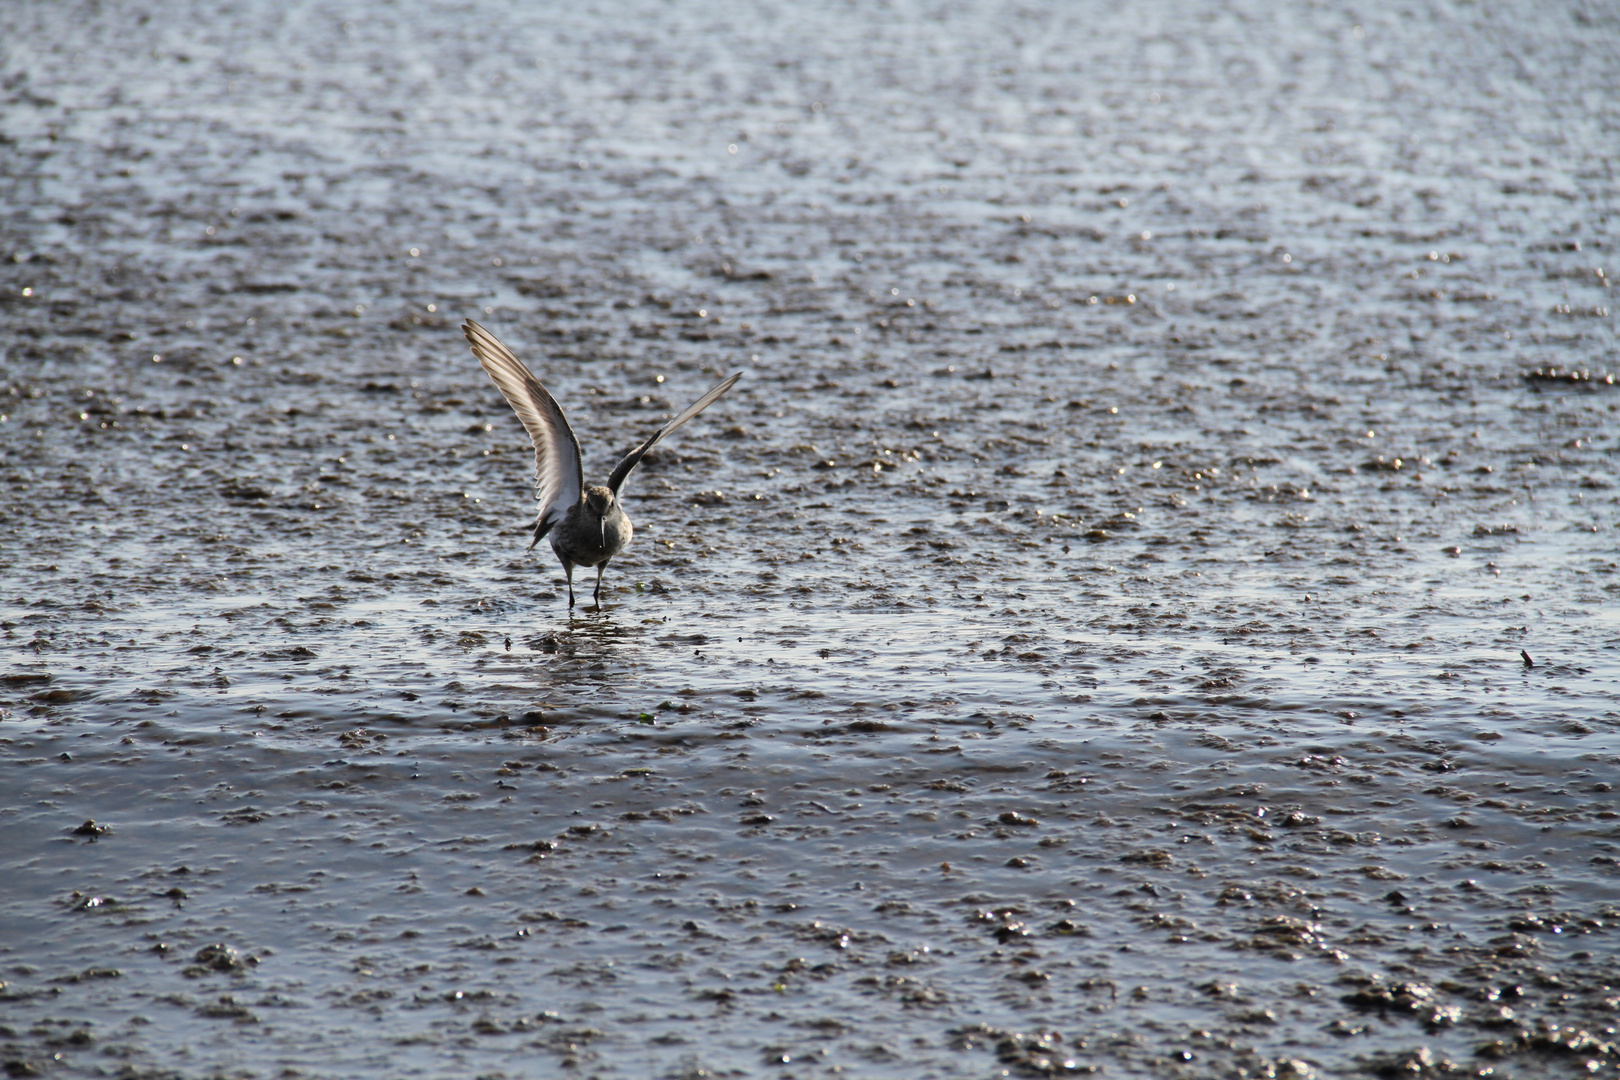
{"x":599,"y":503}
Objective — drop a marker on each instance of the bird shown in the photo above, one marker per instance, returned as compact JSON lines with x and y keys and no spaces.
{"x":587,"y":525}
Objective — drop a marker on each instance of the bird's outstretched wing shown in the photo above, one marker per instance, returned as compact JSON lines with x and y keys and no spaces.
{"x":559,"y":475}
{"x":633,"y":458}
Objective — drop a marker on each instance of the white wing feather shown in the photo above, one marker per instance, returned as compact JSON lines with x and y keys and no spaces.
{"x":559,"y":475}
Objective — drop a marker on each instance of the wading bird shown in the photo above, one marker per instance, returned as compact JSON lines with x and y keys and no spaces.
{"x":587,"y":525}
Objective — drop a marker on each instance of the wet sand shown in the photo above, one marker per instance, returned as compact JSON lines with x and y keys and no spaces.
{"x":1151,"y":607}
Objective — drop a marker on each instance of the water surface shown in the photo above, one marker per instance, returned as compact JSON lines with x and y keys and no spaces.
{"x":1148,"y":609}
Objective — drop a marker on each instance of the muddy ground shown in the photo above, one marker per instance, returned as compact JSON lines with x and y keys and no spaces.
{"x":1151,"y":607}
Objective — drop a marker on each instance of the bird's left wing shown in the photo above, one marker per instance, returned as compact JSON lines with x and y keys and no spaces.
{"x":633,"y":458}
{"x":559,"y":475}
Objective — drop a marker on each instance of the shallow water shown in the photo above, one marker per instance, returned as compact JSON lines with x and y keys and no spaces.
{"x":1142,"y":611}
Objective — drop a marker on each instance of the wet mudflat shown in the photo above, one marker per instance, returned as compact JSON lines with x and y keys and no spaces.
{"x":1150,"y":609}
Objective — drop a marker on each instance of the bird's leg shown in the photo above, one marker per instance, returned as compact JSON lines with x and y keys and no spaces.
{"x":568,"y":568}
{"x":601,"y":566}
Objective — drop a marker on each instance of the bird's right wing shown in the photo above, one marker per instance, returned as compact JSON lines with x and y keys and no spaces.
{"x":559,"y":475}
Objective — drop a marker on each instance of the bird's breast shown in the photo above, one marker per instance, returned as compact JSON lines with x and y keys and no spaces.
{"x":617,"y":530}
{"x":584,"y":539}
